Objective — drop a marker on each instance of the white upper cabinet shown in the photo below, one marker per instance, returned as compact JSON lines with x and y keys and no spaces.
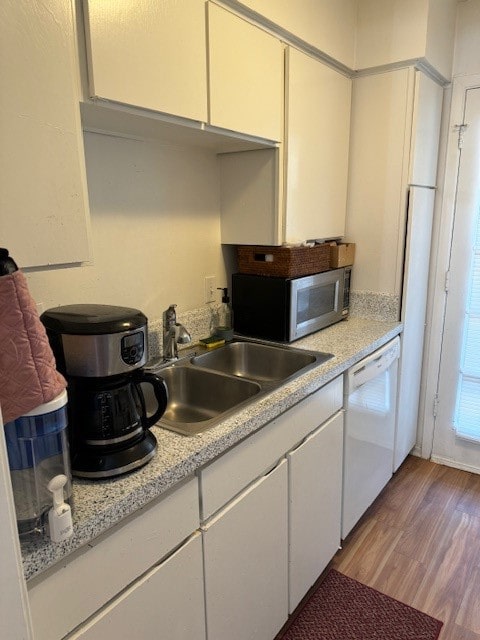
{"x":318,"y":130}
{"x":152,"y":54}
{"x":382,"y":110}
{"x":251,"y":197}
{"x":149,"y":53}
{"x":246,"y":75}
{"x":43,"y":201}
{"x":427,"y":115}
{"x":402,"y":107}
{"x":313,"y":167}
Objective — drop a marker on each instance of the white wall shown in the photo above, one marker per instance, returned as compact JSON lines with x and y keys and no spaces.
{"x":327,"y":25}
{"x":467,"y":44}
{"x":155,"y":226}
{"x":393,"y":30}
{"x":390,"y":30}
{"x":441,"y":34}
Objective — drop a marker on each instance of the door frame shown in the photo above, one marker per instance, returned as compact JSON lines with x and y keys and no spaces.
{"x":449,"y":157}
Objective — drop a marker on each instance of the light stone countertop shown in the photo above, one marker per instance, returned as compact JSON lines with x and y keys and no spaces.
{"x":100,"y":504}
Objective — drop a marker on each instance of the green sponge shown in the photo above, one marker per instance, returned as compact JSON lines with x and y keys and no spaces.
{"x":211,"y":343}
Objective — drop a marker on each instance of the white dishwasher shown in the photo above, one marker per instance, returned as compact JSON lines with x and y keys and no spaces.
{"x":370,"y":402}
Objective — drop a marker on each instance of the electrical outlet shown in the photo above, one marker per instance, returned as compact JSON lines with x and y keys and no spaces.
{"x":210,"y":289}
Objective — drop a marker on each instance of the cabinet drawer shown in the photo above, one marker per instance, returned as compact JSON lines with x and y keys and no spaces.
{"x":234,"y":470}
{"x":89,"y":578}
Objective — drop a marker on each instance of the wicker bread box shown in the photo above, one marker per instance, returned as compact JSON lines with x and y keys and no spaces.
{"x":283,"y":262}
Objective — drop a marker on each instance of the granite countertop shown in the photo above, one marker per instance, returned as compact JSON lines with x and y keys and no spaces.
{"x":98,"y":505}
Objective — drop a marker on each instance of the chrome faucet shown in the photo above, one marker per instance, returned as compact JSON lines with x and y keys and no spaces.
{"x":173,"y":334}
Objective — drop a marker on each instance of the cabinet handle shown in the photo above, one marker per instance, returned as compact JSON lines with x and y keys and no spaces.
{"x":263,"y":257}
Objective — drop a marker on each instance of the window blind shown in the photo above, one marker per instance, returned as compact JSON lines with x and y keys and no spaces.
{"x":467,"y":411}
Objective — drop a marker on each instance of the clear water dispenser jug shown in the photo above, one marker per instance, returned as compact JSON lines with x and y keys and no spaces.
{"x":37,"y":448}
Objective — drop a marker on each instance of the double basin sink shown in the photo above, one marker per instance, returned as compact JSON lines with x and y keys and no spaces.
{"x":204,"y":388}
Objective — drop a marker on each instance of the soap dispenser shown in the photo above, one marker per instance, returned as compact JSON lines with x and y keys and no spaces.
{"x":224,"y":329}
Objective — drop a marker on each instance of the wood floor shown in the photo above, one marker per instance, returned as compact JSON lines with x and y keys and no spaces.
{"x":420,"y":543}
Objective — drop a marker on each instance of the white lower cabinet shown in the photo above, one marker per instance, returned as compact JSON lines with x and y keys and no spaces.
{"x":104,"y":581}
{"x":229,"y":474}
{"x":165,"y":603}
{"x":315,"y":502}
{"x":245,"y":554}
{"x":268,"y":535}
{"x":270,"y":523}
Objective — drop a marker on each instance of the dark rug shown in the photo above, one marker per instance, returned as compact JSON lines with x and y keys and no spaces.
{"x":341,"y":608}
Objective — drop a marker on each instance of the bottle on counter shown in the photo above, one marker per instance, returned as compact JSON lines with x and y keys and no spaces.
{"x":37,"y":449}
{"x":224,"y":328}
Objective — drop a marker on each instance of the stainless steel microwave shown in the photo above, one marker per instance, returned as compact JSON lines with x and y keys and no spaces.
{"x":285,"y":309}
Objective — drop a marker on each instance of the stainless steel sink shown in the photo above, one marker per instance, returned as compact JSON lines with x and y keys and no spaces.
{"x":261,"y":362}
{"x":205,"y":387}
{"x":196,"y":398}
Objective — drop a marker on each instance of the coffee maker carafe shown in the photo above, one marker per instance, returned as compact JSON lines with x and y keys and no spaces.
{"x":101,"y":350}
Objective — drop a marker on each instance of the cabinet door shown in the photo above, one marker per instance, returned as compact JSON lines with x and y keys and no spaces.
{"x":251,"y":187}
{"x":427,"y":114}
{"x":402,"y":106}
{"x":246,"y":71}
{"x":245,"y":553}
{"x":318,"y":130}
{"x":414,"y":306}
{"x":43,"y":200}
{"x":382,"y":110}
{"x":149,"y":53}
{"x":167,"y":602}
{"x":315,"y":506}
{"x":233,"y":471}
{"x":93,"y":576}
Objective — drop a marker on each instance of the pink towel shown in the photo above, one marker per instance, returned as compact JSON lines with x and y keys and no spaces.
{"x":28,"y":375}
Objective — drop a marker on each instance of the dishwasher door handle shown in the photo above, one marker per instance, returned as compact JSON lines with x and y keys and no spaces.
{"x":372,"y":366}
{"x":367,"y":373}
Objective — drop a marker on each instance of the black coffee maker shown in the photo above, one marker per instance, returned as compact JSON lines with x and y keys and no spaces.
{"x":100,"y":349}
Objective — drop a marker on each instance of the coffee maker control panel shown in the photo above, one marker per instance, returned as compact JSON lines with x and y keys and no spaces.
{"x":133,"y":347}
